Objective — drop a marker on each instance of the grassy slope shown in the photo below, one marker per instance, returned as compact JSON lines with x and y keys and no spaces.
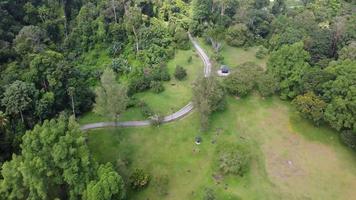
{"x":320,"y":168}
{"x":176,"y":95}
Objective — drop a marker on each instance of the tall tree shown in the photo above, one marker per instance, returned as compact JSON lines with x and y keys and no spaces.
{"x":208,"y":96}
{"x":288,"y":64}
{"x":133,"y":21}
{"x":18,"y":97}
{"x":108,"y":186}
{"x":111,"y":97}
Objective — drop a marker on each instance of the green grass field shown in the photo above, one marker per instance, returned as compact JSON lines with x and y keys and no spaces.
{"x":176,"y":94}
{"x":291,"y":159}
{"x":235,"y":56}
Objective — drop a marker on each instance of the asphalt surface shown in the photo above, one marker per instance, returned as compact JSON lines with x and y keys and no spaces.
{"x":172,"y":117}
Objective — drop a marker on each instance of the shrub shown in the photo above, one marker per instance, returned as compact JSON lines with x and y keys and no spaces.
{"x":209,"y":194}
{"x":349,"y":138}
{"x":145,"y":109}
{"x":261,"y":52}
{"x":310,"y":106}
{"x":180,"y":73}
{"x":267,"y":85}
{"x":139,"y":179}
{"x":243,"y":79}
{"x":232,"y":159}
{"x":156,"y":86}
{"x":190,"y":59}
{"x":157,"y":119}
{"x":161,"y":184}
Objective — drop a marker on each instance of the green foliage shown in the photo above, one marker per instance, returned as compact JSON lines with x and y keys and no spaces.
{"x":348,"y":52}
{"x":18,"y":97}
{"x":209,"y":194}
{"x":139,"y":179}
{"x":108,"y":186}
{"x":145,"y":110}
{"x":111,"y":97}
{"x":310,"y":106}
{"x":232,"y":159}
{"x":238,"y":35}
{"x":181,"y":38}
{"x":53,"y":154}
{"x":208,"y":96}
{"x":259,"y":22}
{"x":340,"y":93}
{"x":259,"y":4}
{"x":267,"y":85}
{"x":261,"y":52}
{"x":279,"y":7}
{"x":120,"y":65}
{"x":349,"y":138}
{"x":180,"y":73}
{"x":30,"y":39}
{"x":242,"y":80}
{"x":288,"y":65}
{"x":156,"y":86}
{"x":156,"y":119}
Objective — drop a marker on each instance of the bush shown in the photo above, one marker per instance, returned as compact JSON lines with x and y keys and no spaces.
{"x":157,"y":119}
{"x":161,"y":184}
{"x":232,"y":159}
{"x":310,"y":106}
{"x":156,"y":86}
{"x":267,"y":85}
{"x":139,"y":179}
{"x":181,"y":38}
{"x":209,"y":194}
{"x":349,"y":138}
{"x":190,"y":59}
{"x":261,"y":52}
{"x":180,"y":73}
{"x":241,"y":81}
{"x":146,"y":110}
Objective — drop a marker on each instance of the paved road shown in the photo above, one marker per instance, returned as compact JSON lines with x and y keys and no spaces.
{"x":173,"y":117}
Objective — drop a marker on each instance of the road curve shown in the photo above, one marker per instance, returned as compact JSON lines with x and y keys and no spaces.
{"x":173,"y":117}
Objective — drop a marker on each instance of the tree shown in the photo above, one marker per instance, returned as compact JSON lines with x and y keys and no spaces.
{"x":339,"y":92}
{"x":30,"y":39}
{"x":267,"y":85}
{"x":133,"y":21}
{"x":311,"y":106}
{"x":288,"y":64}
{"x":208,"y":97}
{"x":18,"y":97}
{"x":109,"y":185}
{"x":259,"y":4}
{"x":215,"y":35}
{"x":54,"y":156}
{"x":232,"y":159}
{"x":242,"y":80}
{"x":139,"y":179}
{"x":111,"y":97}
{"x":279,"y":7}
{"x":157,"y":86}
{"x":348,"y":52}
{"x":180,"y":73}
{"x":237,"y":35}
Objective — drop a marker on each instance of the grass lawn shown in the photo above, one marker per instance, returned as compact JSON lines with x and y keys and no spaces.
{"x":235,"y":56}
{"x":176,"y":94}
{"x":291,"y":159}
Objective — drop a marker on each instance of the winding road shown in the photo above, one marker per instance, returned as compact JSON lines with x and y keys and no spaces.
{"x":173,"y":117}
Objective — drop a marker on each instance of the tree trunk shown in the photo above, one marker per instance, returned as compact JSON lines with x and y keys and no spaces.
{"x":136,"y":38}
{"x":22,"y":117}
{"x":114,"y":9}
{"x":73,"y":109}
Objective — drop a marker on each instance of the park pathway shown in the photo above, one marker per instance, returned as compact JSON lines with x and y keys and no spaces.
{"x":172,"y":117}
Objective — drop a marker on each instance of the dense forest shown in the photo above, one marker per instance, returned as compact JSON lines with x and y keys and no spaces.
{"x":47,"y":80}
